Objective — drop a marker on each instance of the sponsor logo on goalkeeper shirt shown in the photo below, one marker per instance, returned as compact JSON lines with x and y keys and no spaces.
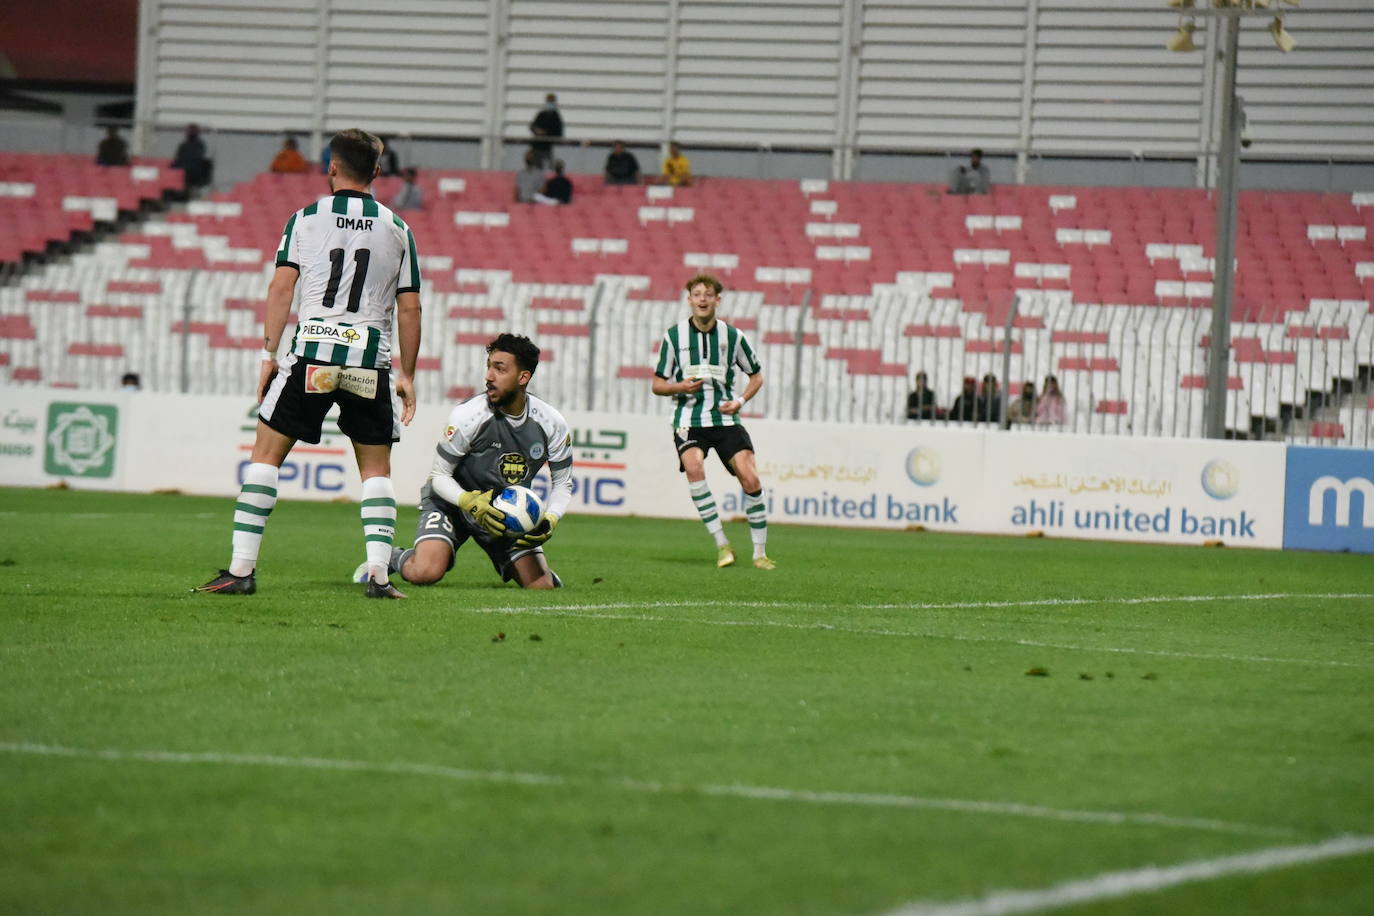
{"x":512,"y":467}
{"x":81,"y":439}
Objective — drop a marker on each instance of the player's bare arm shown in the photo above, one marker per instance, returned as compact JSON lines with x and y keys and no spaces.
{"x":751,"y":389}
{"x":663,"y":386}
{"x":408,"y":337}
{"x":280,"y":292}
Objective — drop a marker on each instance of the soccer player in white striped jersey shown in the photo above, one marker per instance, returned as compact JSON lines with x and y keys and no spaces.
{"x":700,"y":361}
{"x":356,"y":264}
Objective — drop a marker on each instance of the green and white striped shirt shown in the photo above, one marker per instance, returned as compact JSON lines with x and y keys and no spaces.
{"x":354,"y":257}
{"x":718,"y":357}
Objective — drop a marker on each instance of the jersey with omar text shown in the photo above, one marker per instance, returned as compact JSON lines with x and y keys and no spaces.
{"x":354,"y":257}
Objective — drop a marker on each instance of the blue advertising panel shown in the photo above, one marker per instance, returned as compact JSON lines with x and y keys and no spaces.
{"x":1328,"y":500}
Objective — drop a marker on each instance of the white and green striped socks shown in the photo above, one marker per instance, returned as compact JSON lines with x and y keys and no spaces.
{"x":379,"y":524}
{"x":256,"y":499}
{"x":706,"y":508}
{"x":756,"y":511}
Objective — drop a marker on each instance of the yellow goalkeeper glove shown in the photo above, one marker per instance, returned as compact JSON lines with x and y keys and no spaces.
{"x":477,"y":504}
{"x":541,"y":532}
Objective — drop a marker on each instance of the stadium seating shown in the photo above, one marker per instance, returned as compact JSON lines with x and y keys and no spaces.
{"x":846,"y":288}
{"x":44,"y":198}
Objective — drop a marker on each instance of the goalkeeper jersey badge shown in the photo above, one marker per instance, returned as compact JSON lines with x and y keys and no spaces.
{"x":512,"y":466}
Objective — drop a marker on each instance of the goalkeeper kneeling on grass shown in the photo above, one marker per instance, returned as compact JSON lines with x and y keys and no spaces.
{"x":493,"y":440}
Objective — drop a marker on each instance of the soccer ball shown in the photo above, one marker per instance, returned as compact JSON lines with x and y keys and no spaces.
{"x":522,"y":508}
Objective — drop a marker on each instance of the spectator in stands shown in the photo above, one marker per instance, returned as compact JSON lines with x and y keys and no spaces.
{"x":1049,"y":410}
{"x":390,"y":163}
{"x":558,"y":189}
{"x":1022,"y":410}
{"x":192,"y":158}
{"x":548,"y":122}
{"x":289,"y":160}
{"x":621,"y":165}
{"x":112,"y":150}
{"x":973,"y":178}
{"x":990,"y":400}
{"x":677,"y":168}
{"x":410,"y":197}
{"x":965,"y":406}
{"x":920,"y":404}
{"x":529,"y":181}
{"x":130,"y":382}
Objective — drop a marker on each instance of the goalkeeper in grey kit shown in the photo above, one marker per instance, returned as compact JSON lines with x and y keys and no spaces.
{"x":493,"y":440}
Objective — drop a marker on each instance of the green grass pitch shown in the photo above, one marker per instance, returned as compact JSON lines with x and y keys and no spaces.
{"x":890,"y":719}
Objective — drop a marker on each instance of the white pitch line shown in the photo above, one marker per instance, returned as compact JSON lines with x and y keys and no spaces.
{"x":1150,"y":879}
{"x":943,"y":606}
{"x":755,"y":793}
{"x":591,"y":612}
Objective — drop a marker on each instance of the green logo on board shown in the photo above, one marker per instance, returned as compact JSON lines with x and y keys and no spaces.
{"x":81,"y":439}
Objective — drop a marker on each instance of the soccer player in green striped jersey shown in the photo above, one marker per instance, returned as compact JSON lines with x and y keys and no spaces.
{"x":357,"y":268}
{"x":700,"y":364}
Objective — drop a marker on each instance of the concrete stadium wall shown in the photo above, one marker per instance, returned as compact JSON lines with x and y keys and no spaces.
{"x":1250,"y":494}
{"x":239,"y":155}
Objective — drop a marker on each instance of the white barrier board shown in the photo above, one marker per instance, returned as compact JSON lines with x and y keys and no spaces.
{"x":939,"y":477}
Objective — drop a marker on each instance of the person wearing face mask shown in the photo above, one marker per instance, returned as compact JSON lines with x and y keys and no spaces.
{"x":548,"y":122}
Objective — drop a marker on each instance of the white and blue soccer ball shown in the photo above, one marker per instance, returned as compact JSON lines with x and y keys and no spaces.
{"x":522,"y":507}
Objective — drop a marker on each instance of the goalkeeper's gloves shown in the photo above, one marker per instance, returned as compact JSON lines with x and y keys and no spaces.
{"x":477,"y":504}
{"x":540,"y":533}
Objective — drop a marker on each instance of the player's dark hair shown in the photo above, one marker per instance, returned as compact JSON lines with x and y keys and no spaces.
{"x":708,"y":280}
{"x":518,"y":345}
{"x":356,"y":151}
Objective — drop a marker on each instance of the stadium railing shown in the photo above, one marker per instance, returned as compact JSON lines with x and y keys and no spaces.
{"x":846,"y":289}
